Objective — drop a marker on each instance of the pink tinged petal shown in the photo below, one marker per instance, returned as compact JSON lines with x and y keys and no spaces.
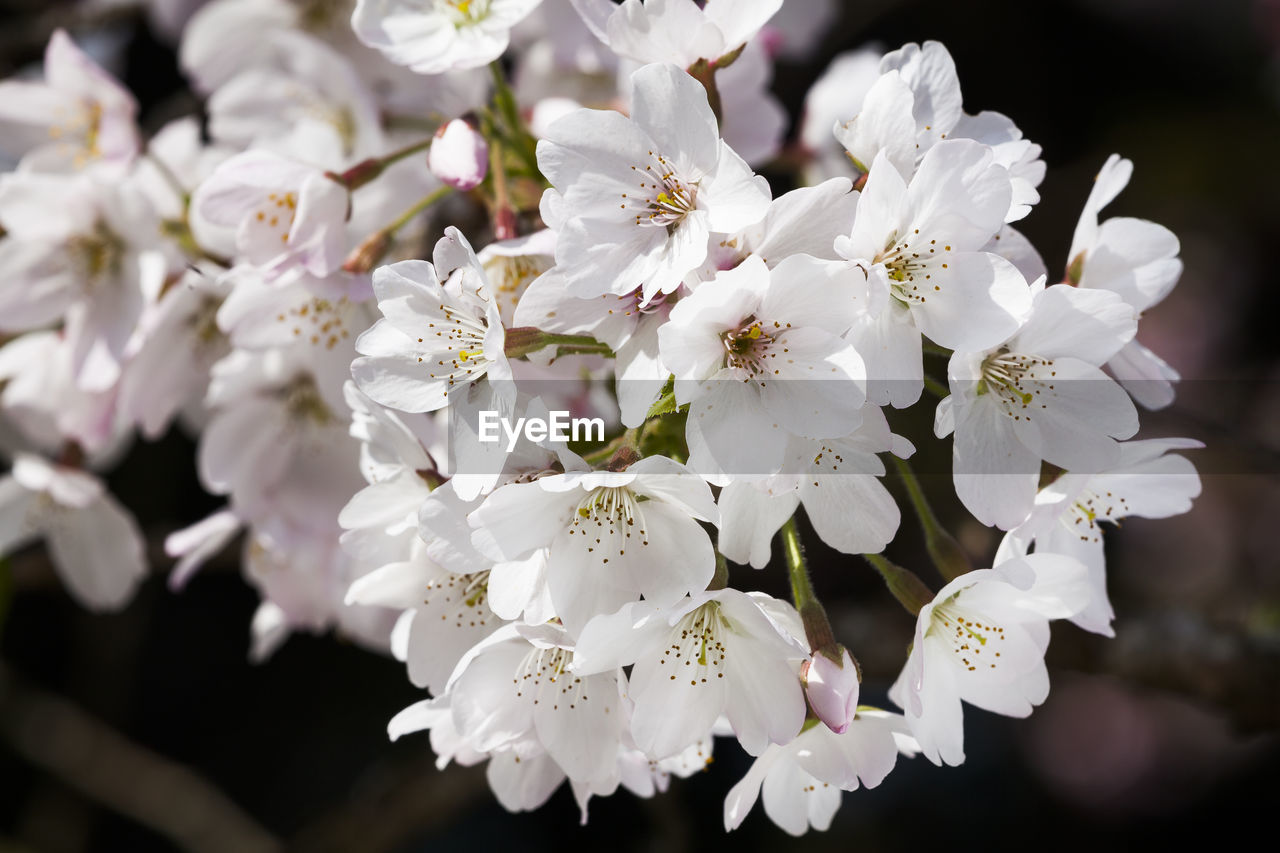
{"x":1073,"y":417}
{"x":939,"y":728}
{"x":515,"y":585}
{"x":519,"y":518}
{"x":853,"y":513}
{"x":793,"y":799}
{"x":891,"y":348}
{"x":99,"y":553}
{"x":523,"y":784}
{"x":674,"y":484}
{"x":791,"y":225}
{"x":579,"y":722}
{"x":459,"y":156}
{"x":397,"y":585}
{"x":742,"y":797}
{"x":931,"y":73}
{"x":1134,"y":258}
{"x":671,"y":107}
{"x":196,"y":544}
{"x":1015,"y":248}
{"x":748,"y":520}
{"x":995,"y":474}
{"x":815,"y":385}
{"x":883,"y":209}
{"x":1145,"y":375}
{"x":586,"y":577}
{"x":733,"y":196}
{"x":670,"y":556}
{"x":728,"y":433}
{"x":617,"y":639}
{"x":977,"y":301}
{"x":806,"y":291}
{"x":832,"y":689}
{"x":1111,"y":179}
{"x":418,"y":717}
{"x":660,"y":683}
{"x":1090,"y":325}
{"x":17,"y":526}
{"x":884,"y":124}
{"x":492,"y":706}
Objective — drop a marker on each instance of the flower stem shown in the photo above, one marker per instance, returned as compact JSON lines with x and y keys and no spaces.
{"x":368,"y":170}
{"x":720,"y":579}
{"x":817,"y":627}
{"x":523,"y":340}
{"x":944,"y":550}
{"x":936,"y":388}
{"x":910,"y":591}
{"x":374,"y":247}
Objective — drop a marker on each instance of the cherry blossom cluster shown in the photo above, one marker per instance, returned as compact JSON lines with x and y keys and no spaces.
{"x":257,"y":276}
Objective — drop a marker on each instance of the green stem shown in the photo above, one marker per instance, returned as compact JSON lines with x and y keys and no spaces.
{"x":375,"y":246}
{"x":817,"y":627}
{"x":934,"y":349}
{"x":368,"y":170}
{"x":936,"y":388}
{"x":522,"y":340}
{"x":409,"y":215}
{"x":910,"y":591}
{"x":720,"y":579}
{"x":944,"y":550}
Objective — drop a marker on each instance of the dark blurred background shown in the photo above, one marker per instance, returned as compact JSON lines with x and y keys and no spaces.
{"x":1162,"y":736}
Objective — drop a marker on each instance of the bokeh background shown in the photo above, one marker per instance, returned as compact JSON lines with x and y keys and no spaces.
{"x":113,"y":728}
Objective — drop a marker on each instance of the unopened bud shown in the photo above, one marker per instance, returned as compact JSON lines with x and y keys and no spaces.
{"x":459,"y":155}
{"x":832,"y":688}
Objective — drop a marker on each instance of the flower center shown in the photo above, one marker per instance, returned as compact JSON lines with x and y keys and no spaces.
{"x":303,"y":402}
{"x":463,"y":13}
{"x":609,"y":513}
{"x":320,"y":321}
{"x":543,"y":672}
{"x":697,"y":653}
{"x":664,"y":199}
{"x":1016,"y":380}
{"x":462,"y":335}
{"x":912,"y":271}
{"x":98,"y":253}
{"x":974,"y":641}
{"x":750,"y":346}
{"x":467,"y":594}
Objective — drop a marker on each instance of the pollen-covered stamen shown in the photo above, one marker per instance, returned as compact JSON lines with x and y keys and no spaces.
{"x":697,"y":651}
{"x":79,"y":131}
{"x":303,"y":402}
{"x":544,"y":675}
{"x":461,"y":335}
{"x":914,"y":265}
{"x":610,"y":520}
{"x":462,"y":598}
{"x":1090,"y":508}
{"x":96,"y":254}
{"x":463,"y":13}
{"x":510,"y":276}
{"x":274,"y":217}
{"x":1018,"y":381}
{"x":320,"y":322}
{"x":203,"y":322}
{"x":753,"y":345}
{"x":974,"y":640}
{"x":664,"y":199}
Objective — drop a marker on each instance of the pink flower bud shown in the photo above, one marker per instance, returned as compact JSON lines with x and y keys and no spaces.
{"x":459,"y":155}
{"x":832,"y":689}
